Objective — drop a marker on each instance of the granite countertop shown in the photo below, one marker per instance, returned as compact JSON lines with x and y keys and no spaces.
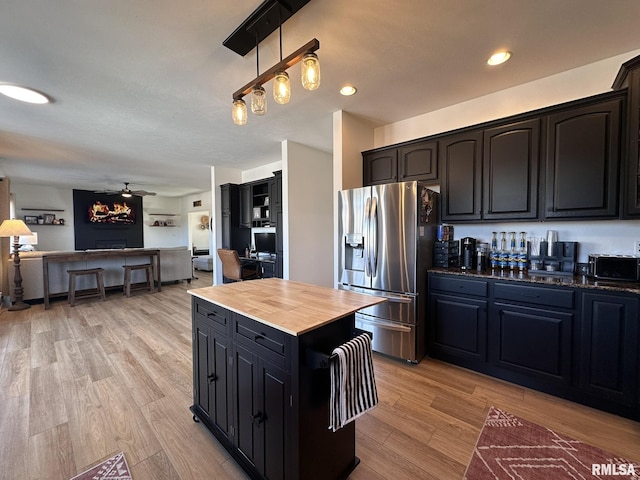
{"x":292,"y":307}
{"x":543,"y":278}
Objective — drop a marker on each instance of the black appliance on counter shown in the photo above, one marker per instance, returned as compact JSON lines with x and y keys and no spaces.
{"x":624,"y":268}
{"x":468,"y":253}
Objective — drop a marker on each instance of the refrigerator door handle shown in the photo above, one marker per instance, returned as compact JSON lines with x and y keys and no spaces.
{"x":399,"y":299}
{"x":367,"y":247}
{"x":386,"y":325}
{"x":373,"y":234}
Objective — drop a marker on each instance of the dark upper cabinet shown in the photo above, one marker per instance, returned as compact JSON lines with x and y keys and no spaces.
{"x":609,"y":347}
{"x":418,"y":162}
{"x":246,"y":205}
{"x":629,"y":77}
{"x":233,"y":235}
{"x":582,"y":161}
{"x":511,"y":164}
{"x":380,"y":167}
{"x":460,"y":157}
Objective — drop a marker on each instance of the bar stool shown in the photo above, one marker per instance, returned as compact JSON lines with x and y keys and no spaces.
{"x":99,"y":292}
{"x":148,"y":268}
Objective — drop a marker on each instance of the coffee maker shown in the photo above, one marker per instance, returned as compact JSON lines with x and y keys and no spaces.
{"x":467,"y":253}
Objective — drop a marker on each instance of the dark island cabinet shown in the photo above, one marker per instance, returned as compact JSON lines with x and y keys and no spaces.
{"x":234,"y":235}
{"x":460,"y":158}
{"x":583,"y":161}
{"x":511,"y":164}
{"x":610,"y":347}
{"x":582,"y":344}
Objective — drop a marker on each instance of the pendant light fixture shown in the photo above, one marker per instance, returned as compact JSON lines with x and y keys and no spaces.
{"x":258,"y":26}
{"x":310,"y":71}
{"x":281,"y":84}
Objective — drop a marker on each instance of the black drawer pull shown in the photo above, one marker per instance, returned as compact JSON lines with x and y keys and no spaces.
{"x":212,"y":377}
{"x":258,"y":337}
{"x":530,"y":295}
{"x":257,"y":419}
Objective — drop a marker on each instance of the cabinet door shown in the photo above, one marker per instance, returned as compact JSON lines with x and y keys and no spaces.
{"x":511,"y":162}
{"x":583,"y":158}
{"x":380,"y":167}
{"x":457,"y":327}
{"x":534,"y":342}
{"x":212,"y":375}
{"x":275,"y":389}
{"x":246,"y":205}
{"x":418,"y":162}
{"x":247,"y":409}
{"x":609,"y":360}
{"x":461,"y":169}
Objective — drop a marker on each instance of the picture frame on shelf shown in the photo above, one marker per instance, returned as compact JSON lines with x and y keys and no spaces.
{"x":49,"y":218}
{"x":31,"y":219}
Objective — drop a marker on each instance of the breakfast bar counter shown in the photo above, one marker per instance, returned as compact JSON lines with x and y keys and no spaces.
{"x":261,"y":353}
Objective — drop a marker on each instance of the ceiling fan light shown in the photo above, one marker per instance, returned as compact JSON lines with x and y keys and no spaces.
{"x":126,"y":194}
{"x":258,"y":100}
{"x":310,"y":71}
{"x":239,"y":112}
{"x":281,"y":88}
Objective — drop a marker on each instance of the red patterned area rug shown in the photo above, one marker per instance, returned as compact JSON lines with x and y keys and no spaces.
{"x":114,"y":468}
{"x":510,"y":448}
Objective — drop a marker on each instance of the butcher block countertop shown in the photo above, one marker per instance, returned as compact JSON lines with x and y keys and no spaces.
{"x":292,"y":307}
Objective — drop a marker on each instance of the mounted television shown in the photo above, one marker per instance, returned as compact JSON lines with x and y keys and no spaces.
{"x":265,"y":242}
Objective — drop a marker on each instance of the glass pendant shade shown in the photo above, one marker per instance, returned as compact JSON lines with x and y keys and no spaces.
{"x":281,"y":88}
{"x":258,"y":100}
{"x":310,"y":71}
{"x":239,"y":112}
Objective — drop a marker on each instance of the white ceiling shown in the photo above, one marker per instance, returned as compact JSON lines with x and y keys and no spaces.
{"x":142,"y":88}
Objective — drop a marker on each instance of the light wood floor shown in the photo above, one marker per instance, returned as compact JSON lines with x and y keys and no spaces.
{"x":79,"y":384}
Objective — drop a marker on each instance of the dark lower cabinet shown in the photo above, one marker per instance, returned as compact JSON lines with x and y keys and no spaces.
{"x":532,"y":341}
{"x":458,"y":327}
{"x":577,"y":343}
{"x":610,"y":342}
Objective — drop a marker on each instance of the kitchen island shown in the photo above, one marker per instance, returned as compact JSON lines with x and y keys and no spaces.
{"x":260,"y":372}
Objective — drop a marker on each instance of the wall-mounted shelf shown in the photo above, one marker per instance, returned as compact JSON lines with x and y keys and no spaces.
{"x":162,"y":219}
{"x":43,"y":209}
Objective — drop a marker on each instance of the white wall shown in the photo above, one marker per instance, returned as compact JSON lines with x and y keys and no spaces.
{"x":308,"y":214}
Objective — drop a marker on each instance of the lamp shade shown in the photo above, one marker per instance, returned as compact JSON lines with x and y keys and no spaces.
{"x":14,"y":228}
{"x":281,"y":88}
{"x":239,"y":112}
{"x":258,"y":100}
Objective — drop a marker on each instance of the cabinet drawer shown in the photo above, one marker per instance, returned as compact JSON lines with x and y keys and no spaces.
{"x":550,"y":297}
{"x":459,"y":285}
{"x":266,"y":341}
{"x":217,"y":316}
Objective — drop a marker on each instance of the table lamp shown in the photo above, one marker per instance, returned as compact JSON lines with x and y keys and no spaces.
{"x":16,"y":228}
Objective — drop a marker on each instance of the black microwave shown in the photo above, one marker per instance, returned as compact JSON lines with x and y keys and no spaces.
{"x":625,"y":268}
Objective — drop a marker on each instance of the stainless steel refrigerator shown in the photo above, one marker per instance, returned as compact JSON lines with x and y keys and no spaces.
{"x":387,"y":234}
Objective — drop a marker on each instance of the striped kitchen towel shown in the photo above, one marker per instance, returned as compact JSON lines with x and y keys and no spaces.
{"x":353,"y":384}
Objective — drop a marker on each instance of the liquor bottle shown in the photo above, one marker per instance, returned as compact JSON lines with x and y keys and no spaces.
{"x":493,"y":254}
{"x":503,"y":254}
{"x":512,"y":258}
{"x":522,"y":252}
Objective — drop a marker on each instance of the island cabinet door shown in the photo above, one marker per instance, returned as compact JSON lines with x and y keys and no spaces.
{"x":609,"y":359}
{"x":247,"y":408}
{"x":212,"y":376}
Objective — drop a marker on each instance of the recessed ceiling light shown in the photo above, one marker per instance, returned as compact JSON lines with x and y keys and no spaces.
{"x":23,"y":94}
{"x":499,"y":57}
{"x":348,"y":90}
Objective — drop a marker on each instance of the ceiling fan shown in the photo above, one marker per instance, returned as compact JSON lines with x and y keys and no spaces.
{"x":127,"y":192}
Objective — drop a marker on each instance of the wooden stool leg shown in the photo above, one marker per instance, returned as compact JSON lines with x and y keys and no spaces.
{"x":149,"y":279}
{"x":127,"y":282}
{"x":100,"y":284}
{"x":72,"y":289}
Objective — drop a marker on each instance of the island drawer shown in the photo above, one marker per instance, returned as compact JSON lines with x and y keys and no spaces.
{"x":454,"y":284}
{"x":217,"y":316}
{"x":263,"y":339}
{"x":551,"y":297}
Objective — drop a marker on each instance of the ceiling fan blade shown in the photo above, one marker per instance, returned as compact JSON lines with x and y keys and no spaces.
{"x":141,"y":193}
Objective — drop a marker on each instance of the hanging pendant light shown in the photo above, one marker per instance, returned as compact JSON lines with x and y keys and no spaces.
{"x":258,"y":100}
{"x":281,"y":88}
{"x":239,"y":112}
{"x":281,"y":84}
{"x":310,"y":71}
